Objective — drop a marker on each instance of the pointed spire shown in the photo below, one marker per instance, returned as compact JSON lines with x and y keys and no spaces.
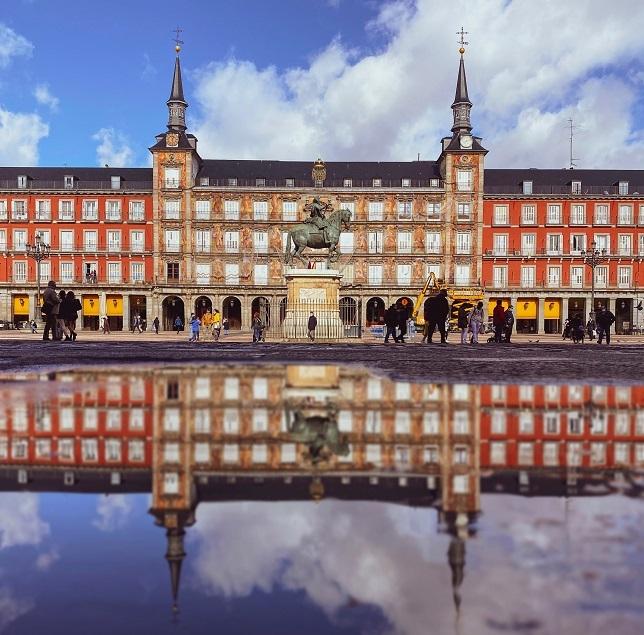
{"x":177,"y":103}
{"x":456,"y":559}
{"x":175,"y":555}
{"x":176,"y":93}
{"x":461,"y":96}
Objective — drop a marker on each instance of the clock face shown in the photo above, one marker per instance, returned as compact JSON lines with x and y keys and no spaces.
{"x":466,"y":141}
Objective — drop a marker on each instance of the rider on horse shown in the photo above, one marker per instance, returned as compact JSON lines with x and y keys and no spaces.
{"x":316,"y":210}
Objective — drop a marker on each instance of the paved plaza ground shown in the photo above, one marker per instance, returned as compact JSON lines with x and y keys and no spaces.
{"x":548,"y":360}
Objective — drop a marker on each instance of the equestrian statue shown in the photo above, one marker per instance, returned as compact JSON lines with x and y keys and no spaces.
{"x":321,"y":230}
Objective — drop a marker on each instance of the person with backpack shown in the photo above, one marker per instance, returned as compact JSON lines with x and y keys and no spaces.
{"x":508,"y":323}
{"x":604,"y":319}
{"x":463,"y":321}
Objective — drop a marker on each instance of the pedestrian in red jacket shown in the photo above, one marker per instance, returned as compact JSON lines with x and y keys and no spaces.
{"x":498,"y":320}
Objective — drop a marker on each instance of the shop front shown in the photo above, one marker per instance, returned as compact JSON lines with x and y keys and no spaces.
{"x":90,"y":315}
{"x":114,"y":311}
{"x":623,"y":316}
{"x":138,"y":307}
{"x":577,"y":308}
{"x":20,"y":308}
{"x":526,"y":315}
{"x":552,"y":315}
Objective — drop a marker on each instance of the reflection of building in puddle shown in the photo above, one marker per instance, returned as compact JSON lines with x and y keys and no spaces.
{"x":220,"y":433}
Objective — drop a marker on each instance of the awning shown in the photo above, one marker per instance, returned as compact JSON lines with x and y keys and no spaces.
{"x":552,"y":309}
{"x":492,"y":304}
{"x":21,"y":304}
{"x":114,"y":304}
{"x":526,"y":309}
{"x":90,"y":305}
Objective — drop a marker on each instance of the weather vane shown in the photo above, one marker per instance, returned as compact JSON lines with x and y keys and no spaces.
{"x":176,"y":40}
{"x":461,"y":40}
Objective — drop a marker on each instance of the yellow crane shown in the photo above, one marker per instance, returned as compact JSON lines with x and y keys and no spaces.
{"x":416,"y":314}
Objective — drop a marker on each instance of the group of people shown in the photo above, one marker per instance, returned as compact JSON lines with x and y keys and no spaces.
{"x":211,"y":321}
{"x":502,"y":322}
{"x":60,"y":309}
{"x":601,"y":322}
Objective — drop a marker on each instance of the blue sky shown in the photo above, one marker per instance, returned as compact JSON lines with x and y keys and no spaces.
{"x":85,"y":83}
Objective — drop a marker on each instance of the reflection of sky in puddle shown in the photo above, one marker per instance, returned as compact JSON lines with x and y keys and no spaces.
{"x":376,"y":555}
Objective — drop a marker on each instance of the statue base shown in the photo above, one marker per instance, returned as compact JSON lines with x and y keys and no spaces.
{"x":314,"y":291}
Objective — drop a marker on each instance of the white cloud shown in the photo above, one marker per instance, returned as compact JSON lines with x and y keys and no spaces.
{"x":113,"y":148}
{"x":12,"y":608}
{"x":20,"y":522}
{"x":20,"y":134}
{"x":12,"y":45}
{"x":43,"y":96}
{"x":44,"y":561}
{"x":113,"y":512}
{"x":528,"y":70}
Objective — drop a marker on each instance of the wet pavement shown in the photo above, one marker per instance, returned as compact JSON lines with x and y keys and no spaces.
{"x":306,"y":498}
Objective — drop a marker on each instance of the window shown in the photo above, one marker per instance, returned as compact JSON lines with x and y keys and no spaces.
{"x":3,"y":240}
{"x":463,"y":212}
{"x":260,"y":241}
{"x":624,"y":244}
{"x":137,"y":241}
{"x":43,"y":210}
{"x":202,"y":241}
{"x":22,"y":182}
{"x":113,"y":210}
{"x":376,"y":183}
{"x":527,"y":187}
{"x":375,"y":275}
{"x":67,"y":240}
{"x":19,"y":239}
{"x":404,"y":210}
{"x":170,"y":483}
{"x":289,"y":210}
{"x":115,"y":182}
{"x":528,"y":244}
{"x":500,"y":275}
{"x":261,"y":274}
{"x":136,"y":272}
{"x":114,"y":272}
{"x":231,"y":242}
{"x":463,"y":242}
{"x":231,"y":210}
{"x":554,"y":245}
{"x":19,"y":271}
{"x":376,"y":210}
{"x":641,"y":219}
{"x":575,"y":187}
{"x":433,"y":212}
{"x":603,"y":243}
{"x":576,"y":277}
{"x":289,"y":182}
{"x":66,"y":210}
{"x":404,"y":275}
{"x":68,"y":182}
{"x":202,"y":272}
{"x":172,"y":240}
{"x":406,"y":183}
{"x":404,"y":242}
{"x":497,"y":453}
{"x":113,"y":240}
{"x":528,"y":215}
{"x":622,"y":424}
{"x":137,"y":211}
{"x":374,"y":242}
{"x":172,"y":271}
{"x":464,"y":180}
{"x":260,"y":182}
{"x":577,"y":243}
{"x":554,"y":215}
{"x":498,"y":422}
{"x":432,"y":268}
{"x":172,"y":209}
{"x":45,"y":270}
{"x":526,"y":422}
{"x":346,"y":243}
{"x":171,"y":178}
{"x":462,"y":275}
{"x":232,"y":182}
{"x":551,"y":454}
{"x":202,"y":419}
{"x":500,"y":244}
{"x":625,"y":216}
{"x":526,"y":392}
{"x":624,"y":277}
{"x":554,"y":276}
{"x":577,"y":214}
{"x":347,"y":183}
{"x":528,"y":277}
{"x":231,"y":273}
{"x":19,"y":210}
{"x":434,"y":183}
{"x":433,"y":242}
{"x":551,"y":423}
{"x":623,"y":188}
{"x":501,"y":215}
{"x":601,"y":215}
{"x":641,"y":245}
{"x":260,"y":210}
{"x":66,"y":271}
{"x":601,"y":277}
{"x":202,"y":209}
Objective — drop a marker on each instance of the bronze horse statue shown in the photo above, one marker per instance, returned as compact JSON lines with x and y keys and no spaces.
{"x":308,"y":235}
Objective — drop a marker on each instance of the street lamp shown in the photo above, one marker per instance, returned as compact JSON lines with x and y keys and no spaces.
{"x":592,"y":259}
{"x":39,"y":251}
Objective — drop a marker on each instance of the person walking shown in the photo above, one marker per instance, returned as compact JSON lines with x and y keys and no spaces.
{"x":605,"y":319}
{"x":137,"y":324}
{"x":401,"y":323}
{"x":226,"y":324}
{"x":463,"y":321}
{"x":68,"y":311}
{"x":106,"y":325}
{"x":206,"y":322}
{"x":508,"y":323}
{"x":195,"y":324}
{"x":498,"y":320}
{"x":590,"y":327}
{"x":155,"y":324}
{"x":476,"y":322}
{"x":216,"y":325}
{"x":390,"y":323}
{"x":312,"y":325}
{"x":61,"y":328}
{"x":50,"y":307}
{"x":257,"y":327}
{"x":178,"y":324}
{"x":34,"y":326}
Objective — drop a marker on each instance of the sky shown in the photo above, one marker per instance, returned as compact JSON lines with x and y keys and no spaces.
{"x":85,"y":83}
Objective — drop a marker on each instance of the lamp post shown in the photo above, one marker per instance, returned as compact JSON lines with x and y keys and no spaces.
{"x":592,"y":259}
{"x":39,"y":251}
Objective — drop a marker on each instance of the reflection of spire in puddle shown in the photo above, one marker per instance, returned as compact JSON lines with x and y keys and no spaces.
{"x":456,"y":559}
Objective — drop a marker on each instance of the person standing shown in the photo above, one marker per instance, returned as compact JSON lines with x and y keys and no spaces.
{"x":69,"y":309}
{"x":61,"y":328}
{"x":498,"y":320}
{"x":226,"y":324}
{"x":390,"y":323}
{"x":34,"y":326}
{"x":50,"y":307}
{"x":257,"y":327}
{"x":312,"y":325}
{"x":590,"y":327}
{"x":463,"y":322}
{"x":508,"y":323}
{"x":439,"y":313}
{"x":206,"y":322}
{"x":476,"y":322}
{"x":155,"y":324}
{"x":195,"y":325}
{"x":178,"y":324}
{"x":401,"y":323}
{"x":216,"y":325}
{"x":106,"y":325}
{"x":605,"y":319}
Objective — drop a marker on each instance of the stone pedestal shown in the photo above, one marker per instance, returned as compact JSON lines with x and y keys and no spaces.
{"x":317,"y":291}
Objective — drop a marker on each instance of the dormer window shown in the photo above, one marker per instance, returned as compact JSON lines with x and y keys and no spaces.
{"x":434,"y":183}
{"x":527,"y":187}
{"x":204,"y":180}
{"x":377,"y":183}
{"x":68,"y":182}
{"x":623,"y":188}
{"x":290,"y":182}
{"x":261,"y":182}
{"x":348,"y":183}
{"x":576,"y":187}
{"x":116,"y":182}
{"x":406,"y":182}
{"x":232,"y":182}
{"x":22,"y":181}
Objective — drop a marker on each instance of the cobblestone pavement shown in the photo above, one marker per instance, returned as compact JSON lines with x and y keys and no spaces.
{"x":495,"y":363}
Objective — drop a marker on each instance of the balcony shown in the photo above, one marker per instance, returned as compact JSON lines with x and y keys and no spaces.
{"x":231,"y":247}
